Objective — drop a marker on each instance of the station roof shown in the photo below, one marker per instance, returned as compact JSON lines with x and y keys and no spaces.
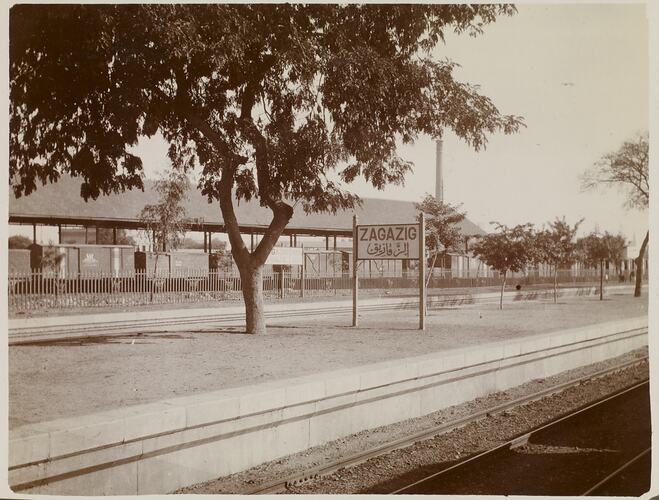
{"x":61,"y":203}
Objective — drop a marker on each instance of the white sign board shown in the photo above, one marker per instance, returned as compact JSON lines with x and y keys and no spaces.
{"x":285,"y":256}
{"x":388,"y":241}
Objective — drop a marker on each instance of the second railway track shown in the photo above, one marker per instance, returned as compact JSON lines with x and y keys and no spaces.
{"x":296,"y":480}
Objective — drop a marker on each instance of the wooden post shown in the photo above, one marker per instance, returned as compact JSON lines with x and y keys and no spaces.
{"x":114,"y":235}
{"x":326,"y":242}
{"x":335,"y":242}
{"x":355,"y":279}
{"x":205,"y":242}
{"x":210,"y":242}
{"x":290,"y":240}
{"x":86,"y":235}
{"x":252,"y":242}
{"x":34,"y":234}
{"x":302,"y":274}
{"x":601,"y":279}
{"x":422,"y":272}
{"x":59,"y":233}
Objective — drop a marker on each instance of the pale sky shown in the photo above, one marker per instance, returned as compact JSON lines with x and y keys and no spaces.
{"x":522,"y":63}
{"x":578,"y":74}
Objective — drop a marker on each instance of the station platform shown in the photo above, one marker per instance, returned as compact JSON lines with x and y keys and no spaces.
{"x":105,"y":322}
{"x":150,"y":412}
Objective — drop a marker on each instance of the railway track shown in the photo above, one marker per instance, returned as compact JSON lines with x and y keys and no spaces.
{"x":603,"y":487}
{"x":451,"y":477}
{"x":284,"y":484}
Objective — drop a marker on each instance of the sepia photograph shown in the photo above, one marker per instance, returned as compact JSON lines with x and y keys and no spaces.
{"x":329,"y":249}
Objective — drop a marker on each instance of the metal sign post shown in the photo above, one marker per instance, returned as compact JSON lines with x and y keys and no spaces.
{"x":389,"y":242}
{"x":422,"y":272}
{"x":355,"y":279}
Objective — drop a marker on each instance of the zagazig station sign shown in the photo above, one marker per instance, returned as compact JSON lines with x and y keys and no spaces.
{"x":388,"y":241}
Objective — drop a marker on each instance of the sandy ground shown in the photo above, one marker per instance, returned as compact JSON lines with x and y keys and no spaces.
{"x":49,"y":380}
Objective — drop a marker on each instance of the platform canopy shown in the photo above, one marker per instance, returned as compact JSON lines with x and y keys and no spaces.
{"x":61,"y":204}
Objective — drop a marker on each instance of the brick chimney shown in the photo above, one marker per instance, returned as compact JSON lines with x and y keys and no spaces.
{"x":439,"y":176}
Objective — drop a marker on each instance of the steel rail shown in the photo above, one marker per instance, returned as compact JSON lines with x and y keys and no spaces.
{"x":360,"y":457}
{"x":522,"y":439}
{"x":616,"y":472}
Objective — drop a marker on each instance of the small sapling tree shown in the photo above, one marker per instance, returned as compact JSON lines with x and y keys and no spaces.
{"x":507,"y":250}
{"x":442,"y":231}
{"x":557,"y":246}
{"x":595,"y":249}
{"x":164,"y":222}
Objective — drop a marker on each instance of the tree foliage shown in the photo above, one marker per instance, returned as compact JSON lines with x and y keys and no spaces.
{"x":105,"y":236}
{"x":282,"y":102}
{"x":442,"y":230}
{"x":508,"y":249}
{"x":165,"y":222}
{"x":626,"y":168}
{"x":18,"y":241}
{"x":593,"y":249}
{"x":557,"y":246}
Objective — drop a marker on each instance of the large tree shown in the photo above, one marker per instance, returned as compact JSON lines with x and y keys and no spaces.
{"x":626,"y":168}
{"x":283,"y":103}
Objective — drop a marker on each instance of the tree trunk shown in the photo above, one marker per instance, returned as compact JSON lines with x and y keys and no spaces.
{"x":252,"y":284}
{"x":601,"y":279}
{"x":155,"y":274}
{"x":250,"y":264}
{"x":503,"y":287}
{"x":555,"y":282}
{"x":639,"y":265}
{"x":432,"y":268}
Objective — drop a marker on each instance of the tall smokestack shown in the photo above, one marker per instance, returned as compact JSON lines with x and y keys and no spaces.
{"x":439,"y":176}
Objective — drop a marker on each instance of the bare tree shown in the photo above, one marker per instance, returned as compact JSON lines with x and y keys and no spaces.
{"x":626,"y":168}
{"x":165,"y":221}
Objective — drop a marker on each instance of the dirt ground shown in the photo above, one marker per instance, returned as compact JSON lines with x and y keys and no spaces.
{"x":50,"y":380}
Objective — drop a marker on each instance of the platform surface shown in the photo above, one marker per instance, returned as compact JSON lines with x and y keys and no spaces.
{"x":56,"y":379}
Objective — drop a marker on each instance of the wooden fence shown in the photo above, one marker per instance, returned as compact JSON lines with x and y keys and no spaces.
{"x":50,"y":290}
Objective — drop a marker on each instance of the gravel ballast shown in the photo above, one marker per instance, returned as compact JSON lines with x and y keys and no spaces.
{"x":383,"y":474}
